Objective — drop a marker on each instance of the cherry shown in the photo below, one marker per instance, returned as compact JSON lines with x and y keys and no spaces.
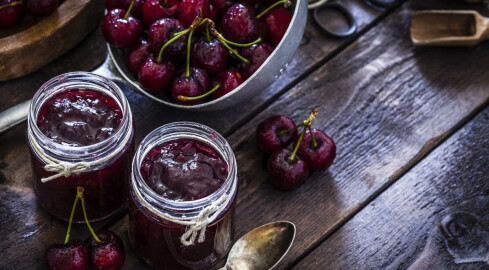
{"x":275,"y":132}
{"x":277,"y":21}
{"x":162,"y":31}
{"x":256,"y":54}
{"x":209,"y":55}
{"x":287,"y":171}
{"x":195,"y":84}
{"x":221,"y":5}
{"x":154,"y":10}
{"x":156,"y":76}
{"x":72,"y":255}
{"x":239,"y":24}
{"x":41,"y":7}
{"x":317,"y":149}
{"x":125,"y":4}
{"x":228,"y":79}
{"x":120,"y":29}
{"x":11,"y":12}
{"x":109,"y":253}
{"x":190,"y":9}
{"x":136,"y":56}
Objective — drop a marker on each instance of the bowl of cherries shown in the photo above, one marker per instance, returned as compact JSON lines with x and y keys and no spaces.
{"x":202,"y":54}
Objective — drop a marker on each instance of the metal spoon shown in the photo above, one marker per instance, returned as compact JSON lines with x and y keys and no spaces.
{"x":262,"y":248}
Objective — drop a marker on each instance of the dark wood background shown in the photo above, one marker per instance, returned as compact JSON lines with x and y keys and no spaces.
{"x":411,"y":127}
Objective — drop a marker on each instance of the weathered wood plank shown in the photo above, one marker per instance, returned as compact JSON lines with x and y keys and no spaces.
{"x":393,"y":231}
{"x":386,"y":104}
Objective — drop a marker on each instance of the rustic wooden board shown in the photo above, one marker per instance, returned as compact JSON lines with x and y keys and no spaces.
{"x":392,"y":232}
{"x":42,"y":42}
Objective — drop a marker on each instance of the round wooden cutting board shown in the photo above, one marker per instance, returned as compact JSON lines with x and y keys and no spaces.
{"x":38,"y":41}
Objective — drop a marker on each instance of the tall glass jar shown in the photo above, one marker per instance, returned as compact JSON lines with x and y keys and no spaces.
{"x":105,"y":170}
{"x":156,"y":223}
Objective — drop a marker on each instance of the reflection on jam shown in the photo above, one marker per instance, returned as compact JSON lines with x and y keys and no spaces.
{"x":79,"y":117}
{"x":184,"y":170}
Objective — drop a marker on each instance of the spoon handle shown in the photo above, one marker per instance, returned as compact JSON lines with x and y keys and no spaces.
{"x":14,"y":115}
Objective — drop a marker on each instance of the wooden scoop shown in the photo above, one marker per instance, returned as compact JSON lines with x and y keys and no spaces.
{"x":449,"y":28}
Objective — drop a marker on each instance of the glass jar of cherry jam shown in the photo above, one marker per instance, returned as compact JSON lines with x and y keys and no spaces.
{"x":179,"y":170}
{"x":80,"y":133}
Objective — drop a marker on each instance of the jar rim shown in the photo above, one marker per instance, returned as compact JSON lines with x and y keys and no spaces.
{"x":71,"y":81}
{"x":186,"y":130}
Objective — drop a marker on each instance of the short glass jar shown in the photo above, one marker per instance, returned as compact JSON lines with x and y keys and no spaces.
{"x":155,"y":234}
{"x":106,"y":172}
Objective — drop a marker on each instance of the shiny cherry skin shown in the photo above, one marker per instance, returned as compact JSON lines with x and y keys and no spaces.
{"x":155,"y":77}
{"x":124,"y":4}
{"x":136,"y":56}
{"x":221,"y":5}
{"x":211,"y":56}
{"x":12,"y":14}
{"x":195,"y":85}
{"x":256,"y":54}
{"x":277,"y":21}
{"x":161,"y":31}
{"x":229,"y":79}
{"x":120,"y":32}
{"x":268,"y":135}
{"x":190,"y":9}
{"x":109,"y":254}
{"x":73,"y":256}
{"x":154,"y":10}
{"x":41,"y":7}
{"x":321,"y":156}
{"x":285,"y":174}
{"x":239,"y":23}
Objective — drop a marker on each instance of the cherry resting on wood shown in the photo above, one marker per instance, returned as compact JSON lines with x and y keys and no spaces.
{"x":285,"y":174}
{"x":73,"y":256}
{"x":275,"y":132}
{"x":321,"y":155}
{"x":109,"y":254}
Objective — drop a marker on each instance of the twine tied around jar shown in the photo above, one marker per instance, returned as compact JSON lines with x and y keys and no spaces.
{"x":66,"y":169}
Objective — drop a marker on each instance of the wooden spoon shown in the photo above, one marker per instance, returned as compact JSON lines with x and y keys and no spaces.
{"x":449,"y":28}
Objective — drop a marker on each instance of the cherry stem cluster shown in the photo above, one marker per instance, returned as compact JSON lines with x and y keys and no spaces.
{"x":12,"y":4}
{"x":307,"y":126}
{"x":286,"y":4}
{"x":79,"y":196}
{"x":129,"y":9}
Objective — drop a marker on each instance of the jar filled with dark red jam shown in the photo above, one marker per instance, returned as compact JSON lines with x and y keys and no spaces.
{"x":182,"y":197}
{"x":80,"y":133}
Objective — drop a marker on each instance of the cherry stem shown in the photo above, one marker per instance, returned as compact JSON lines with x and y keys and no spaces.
{"x":207,"y":32}
{"x":290,"y":129}
{"x":239,"y":44}
{"x":67,"y":238}
{"x":129,"y":9}
{"x":189,"y":42}
{"x":286,"y":3}
{"x":233,"y":51}
{"x":184,"y":98}
{"x":79,"y":194}
{"x":180,"y":34}
{"x":292,"y":157}
{"x":313,"y":139}
{"x":10,"y":4}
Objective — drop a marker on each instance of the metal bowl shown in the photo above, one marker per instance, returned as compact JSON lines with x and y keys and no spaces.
{"x":261,"y":79}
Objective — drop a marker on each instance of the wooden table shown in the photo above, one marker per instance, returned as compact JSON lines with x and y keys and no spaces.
{"x":411,"y":127}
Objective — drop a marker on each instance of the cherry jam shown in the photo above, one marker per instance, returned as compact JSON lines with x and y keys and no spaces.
{"x":175,"y":177}
{"x":81,"y":118}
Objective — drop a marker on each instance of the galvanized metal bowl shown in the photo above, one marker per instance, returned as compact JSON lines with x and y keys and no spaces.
{"x":261,"y":79}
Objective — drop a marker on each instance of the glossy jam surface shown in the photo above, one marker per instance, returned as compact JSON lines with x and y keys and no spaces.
{"x":184,"y":170}
{"x":79,"y":117}
{"x":181,"y":170}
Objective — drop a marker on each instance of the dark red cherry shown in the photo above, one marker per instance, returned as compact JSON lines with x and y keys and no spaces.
{"x":156,"y":77}
{"x":109,"y":254}
{"x":229,"y":79}
{"x":321,"y":156}
{"x":210,"y":56}
{"x":239,"y":23}
{"x":195,"y":85}
{"x":190,"y":9}
{"x":124,"y":4}
{"x":119,"y":31}
{"x":256,"y":54}
{"x":12,"y":13}
{"x":285,"y":174}
{"x":136,"y":56}
{"x":41,"y":7}
{"x":73,"y":256}
{"x":221,"y":5}
{"x":277,"y":21}
{"x":154,"y":10}
{"x":269,"y":135}
{"x":161,"y":31}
